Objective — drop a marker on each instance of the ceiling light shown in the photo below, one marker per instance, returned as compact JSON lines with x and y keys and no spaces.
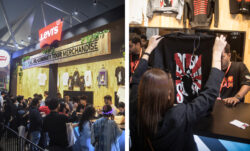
{"x":29,"y":37}
{"x":76,"y":13}
{"x":22,"y":42}
{"x":94,"y":2}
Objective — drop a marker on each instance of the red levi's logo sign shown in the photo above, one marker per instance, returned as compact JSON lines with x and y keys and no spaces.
{"x":50,"y":33}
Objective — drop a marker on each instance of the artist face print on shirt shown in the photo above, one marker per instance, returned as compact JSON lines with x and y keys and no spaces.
{"x":188,"y":76}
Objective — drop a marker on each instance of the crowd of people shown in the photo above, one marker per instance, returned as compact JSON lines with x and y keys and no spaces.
{"x":50,"y":122}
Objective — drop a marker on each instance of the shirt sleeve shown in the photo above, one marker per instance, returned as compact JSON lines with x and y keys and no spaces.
{"x":206,"y":98}
{"x":244,"y":75}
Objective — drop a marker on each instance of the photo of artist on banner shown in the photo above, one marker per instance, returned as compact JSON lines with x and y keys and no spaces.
{"x":51,"y":33}
{"x":188,"y":58}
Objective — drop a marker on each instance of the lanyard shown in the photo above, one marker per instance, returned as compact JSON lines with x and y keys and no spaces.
{"x":224,"y":79}
{"x":135,"y":63}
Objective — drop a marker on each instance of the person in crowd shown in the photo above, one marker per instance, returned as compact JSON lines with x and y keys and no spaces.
{"x":59,"y":96}
{"x":21,"y":102}
{"x":69,"y":102}
{"x":108,"y":101}
{"x":35,"y":122}
{"x":83,"y":100}
{"x":44,"y":110}
{"x":105,"y":132}
{"x":35,"y":95}
{"x":121,"y":107}
{"x":45,"y":94}
{"x":13,"y":106}
{"x":29,"y":100}
{"x":144,"y":42}
{"x":236,"y":82}
{"x":55,"y":125}
{"x":135,"y":52}
{"x":155,"y":124}
{"x":83,"y":143}
{"x":64,"y":109}
{"x":3,"y":94}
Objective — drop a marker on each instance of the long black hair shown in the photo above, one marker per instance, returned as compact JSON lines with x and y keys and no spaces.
{"x":87,"y":115}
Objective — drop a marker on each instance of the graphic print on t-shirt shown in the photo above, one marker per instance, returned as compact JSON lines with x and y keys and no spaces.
{"x":188,"y":76}
{"x":166,"y":3}
{"x":200,"y":7}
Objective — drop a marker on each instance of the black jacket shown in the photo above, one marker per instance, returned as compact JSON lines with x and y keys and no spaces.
{"x":55,"y":125}
{"x":35,"y":120}
{"x":175,"y":130}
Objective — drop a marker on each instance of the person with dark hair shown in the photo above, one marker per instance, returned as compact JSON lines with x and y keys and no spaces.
{"x":55,"y":125}
{"x":121,"y":107}
{"x":108,"y":101}
{"x":35,"y":122}
{"x":83,"y":100}
{"x":64,"y":109}
{"x":155,"y":123}
{"x":135,"y":52}
{"x":83,"y":143}
{"x":59,"y":96}
{"x":35,"y":95}
{"x":105,"y":132}
{"x":21,"y":102}
{"x":236,"y":82}
{"x":69,"y":102}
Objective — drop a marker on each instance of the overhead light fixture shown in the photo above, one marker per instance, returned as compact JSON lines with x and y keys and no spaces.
{"x":75,"y":13}
{"x":22,"y":42}
{"x":29,"y":37}
{"x":94,"y":2}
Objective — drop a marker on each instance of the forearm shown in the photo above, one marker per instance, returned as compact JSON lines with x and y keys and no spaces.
{"x":243,"y":91}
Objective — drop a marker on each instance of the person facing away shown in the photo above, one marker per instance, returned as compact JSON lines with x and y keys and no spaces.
{"x":55,"y":125}
{"x":35,"y":122}
{"x":155,"y":124}
{"x":105,"y":132}
{"x":83,"y":143}
{"x":236,"y":82}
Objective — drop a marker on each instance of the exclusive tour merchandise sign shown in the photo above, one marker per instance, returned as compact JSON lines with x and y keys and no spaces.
{"x":51,"y":33}
{"x":4,"y":58}
{"x":93,"y":45}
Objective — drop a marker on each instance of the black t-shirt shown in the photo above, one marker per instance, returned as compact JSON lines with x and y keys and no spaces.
{"x":236,"y":77}
{"x":239,"y":7}
{"x":55,"y":125}
{"x":188,"y":58}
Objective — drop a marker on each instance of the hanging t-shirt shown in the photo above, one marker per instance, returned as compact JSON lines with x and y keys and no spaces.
{"x":138,"y":10}
{"x":88,"y":78}
{"x":120,"y":75}
{"x":76,"y":77}
{"x":190,"y":69}
{"x":237,"y":76}
{"x":121,"y":94}
{"x":42,"y":77}
{"x":71,"y":83}
{"x":65,"y":78}
{"x":81,"y":83}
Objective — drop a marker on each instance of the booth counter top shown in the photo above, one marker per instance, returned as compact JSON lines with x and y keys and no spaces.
{"x":217,"y":124}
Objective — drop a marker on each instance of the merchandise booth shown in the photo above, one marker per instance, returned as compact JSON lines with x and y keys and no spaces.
{"x":90,"y":63}
{"x":189,"y":29}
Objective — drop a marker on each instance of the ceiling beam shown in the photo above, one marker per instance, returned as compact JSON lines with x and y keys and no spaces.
{"x":7,"y":23}
{"x":63,"y":11}
{"x":44,"y":19}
